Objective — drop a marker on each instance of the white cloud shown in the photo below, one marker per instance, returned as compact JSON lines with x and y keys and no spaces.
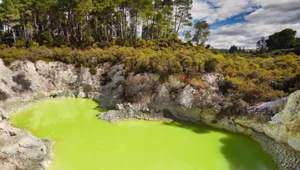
{"x":279,"y":12}
{"x":201,"y":10}
{"x":273,"y":16}
{"x":218,"y":10}
{"x":245,"y":34}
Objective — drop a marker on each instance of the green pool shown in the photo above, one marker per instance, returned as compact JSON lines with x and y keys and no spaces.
{"x":85,"y":143}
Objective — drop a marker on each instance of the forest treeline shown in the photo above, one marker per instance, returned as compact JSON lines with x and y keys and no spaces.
{"x":282,"y":42}
{"x":84,"y":22}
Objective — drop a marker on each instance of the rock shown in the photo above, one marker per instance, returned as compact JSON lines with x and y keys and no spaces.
{"x":6,"y":81}
{"x":36,"y":82}
{"x":111,"y":92}
{"x":213,"y":79}
{"x":120,"y":106}
{"x":58,"y":75}
{"x":81,"y":94}
{"x":174,"y":82}
{"x":286,"y":157}
{"x":3,"y":114}
{"x":186,"y":97}
{"x":26,"y":81}
{"x":284,"y":126}
{"x":110,"y":116}
{"x":89,"y":84}
{"x":30,"y":147}
{"x":268,"y":108}
{"x":294,"y":143}
{"x":21,"y":150}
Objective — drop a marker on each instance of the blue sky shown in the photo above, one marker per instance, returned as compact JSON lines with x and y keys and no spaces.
{"x":233,"y":20}
{"x":243,"y":22}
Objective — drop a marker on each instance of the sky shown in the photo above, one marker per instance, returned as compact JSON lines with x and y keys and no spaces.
{"x":243,"y":22}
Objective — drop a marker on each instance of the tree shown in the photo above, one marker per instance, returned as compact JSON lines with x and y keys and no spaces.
{"x":182,"y":15}
{"x":282,"y":40}
{"x":297,"y":42}
{"x":167,"y":10}
{"x":261,"y":45}
{"x":149,"y":16}
{"x":82,"y":12}
{"x":160,"y":26}
{"x":188,"y":36}
{"x":1,"y":23}
{"x":82,"y":22}
{"x":201,"y":32}
{"x":11,"y":15}
{"x":233,"y":49}
{"x":26,"y":29}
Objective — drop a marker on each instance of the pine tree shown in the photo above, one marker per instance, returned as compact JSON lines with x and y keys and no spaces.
{"x":201,"y":32}
{"x":182,"y":16}
{"x":81,"y":22}
{"x":11,"y":15}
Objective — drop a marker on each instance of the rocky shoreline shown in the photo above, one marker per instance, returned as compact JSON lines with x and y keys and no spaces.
{"x":144,"y":96}
{"x":21,"y":150}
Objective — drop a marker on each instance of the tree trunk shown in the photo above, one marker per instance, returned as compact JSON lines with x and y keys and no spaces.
{"x":14,"y":35}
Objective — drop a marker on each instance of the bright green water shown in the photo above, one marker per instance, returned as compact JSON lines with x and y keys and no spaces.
{"x":85,"y":143}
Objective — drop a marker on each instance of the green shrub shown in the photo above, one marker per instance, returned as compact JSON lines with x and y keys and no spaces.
{"x":253,"y":96}
{"x":46,"y":38}
{"x":138,"y":87}
{"x":3,"y":46}
{"x":227,"y":85}
{"x":40,"y":53}
{"x":215,"y":51}
{"x":210,"y":65}
{"x":297,"y":50}
{"x":20,"y":44}
{"x":33,"y":43}
{"x":141,"y":43}
{"x":93,"y":70}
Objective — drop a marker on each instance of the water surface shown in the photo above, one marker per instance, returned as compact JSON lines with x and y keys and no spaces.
{"x":85,"y":143}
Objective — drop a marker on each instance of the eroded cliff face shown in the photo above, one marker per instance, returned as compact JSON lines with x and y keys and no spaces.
{"x":25,"y":80}
{"x":147,"y":96}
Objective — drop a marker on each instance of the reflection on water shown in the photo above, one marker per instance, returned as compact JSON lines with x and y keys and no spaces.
{"x":85,"y":143}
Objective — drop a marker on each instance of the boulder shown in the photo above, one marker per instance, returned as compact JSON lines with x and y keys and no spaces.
{"x":111,"y":91}
{"x":285,"y":125}
{"x":20,"y":150}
